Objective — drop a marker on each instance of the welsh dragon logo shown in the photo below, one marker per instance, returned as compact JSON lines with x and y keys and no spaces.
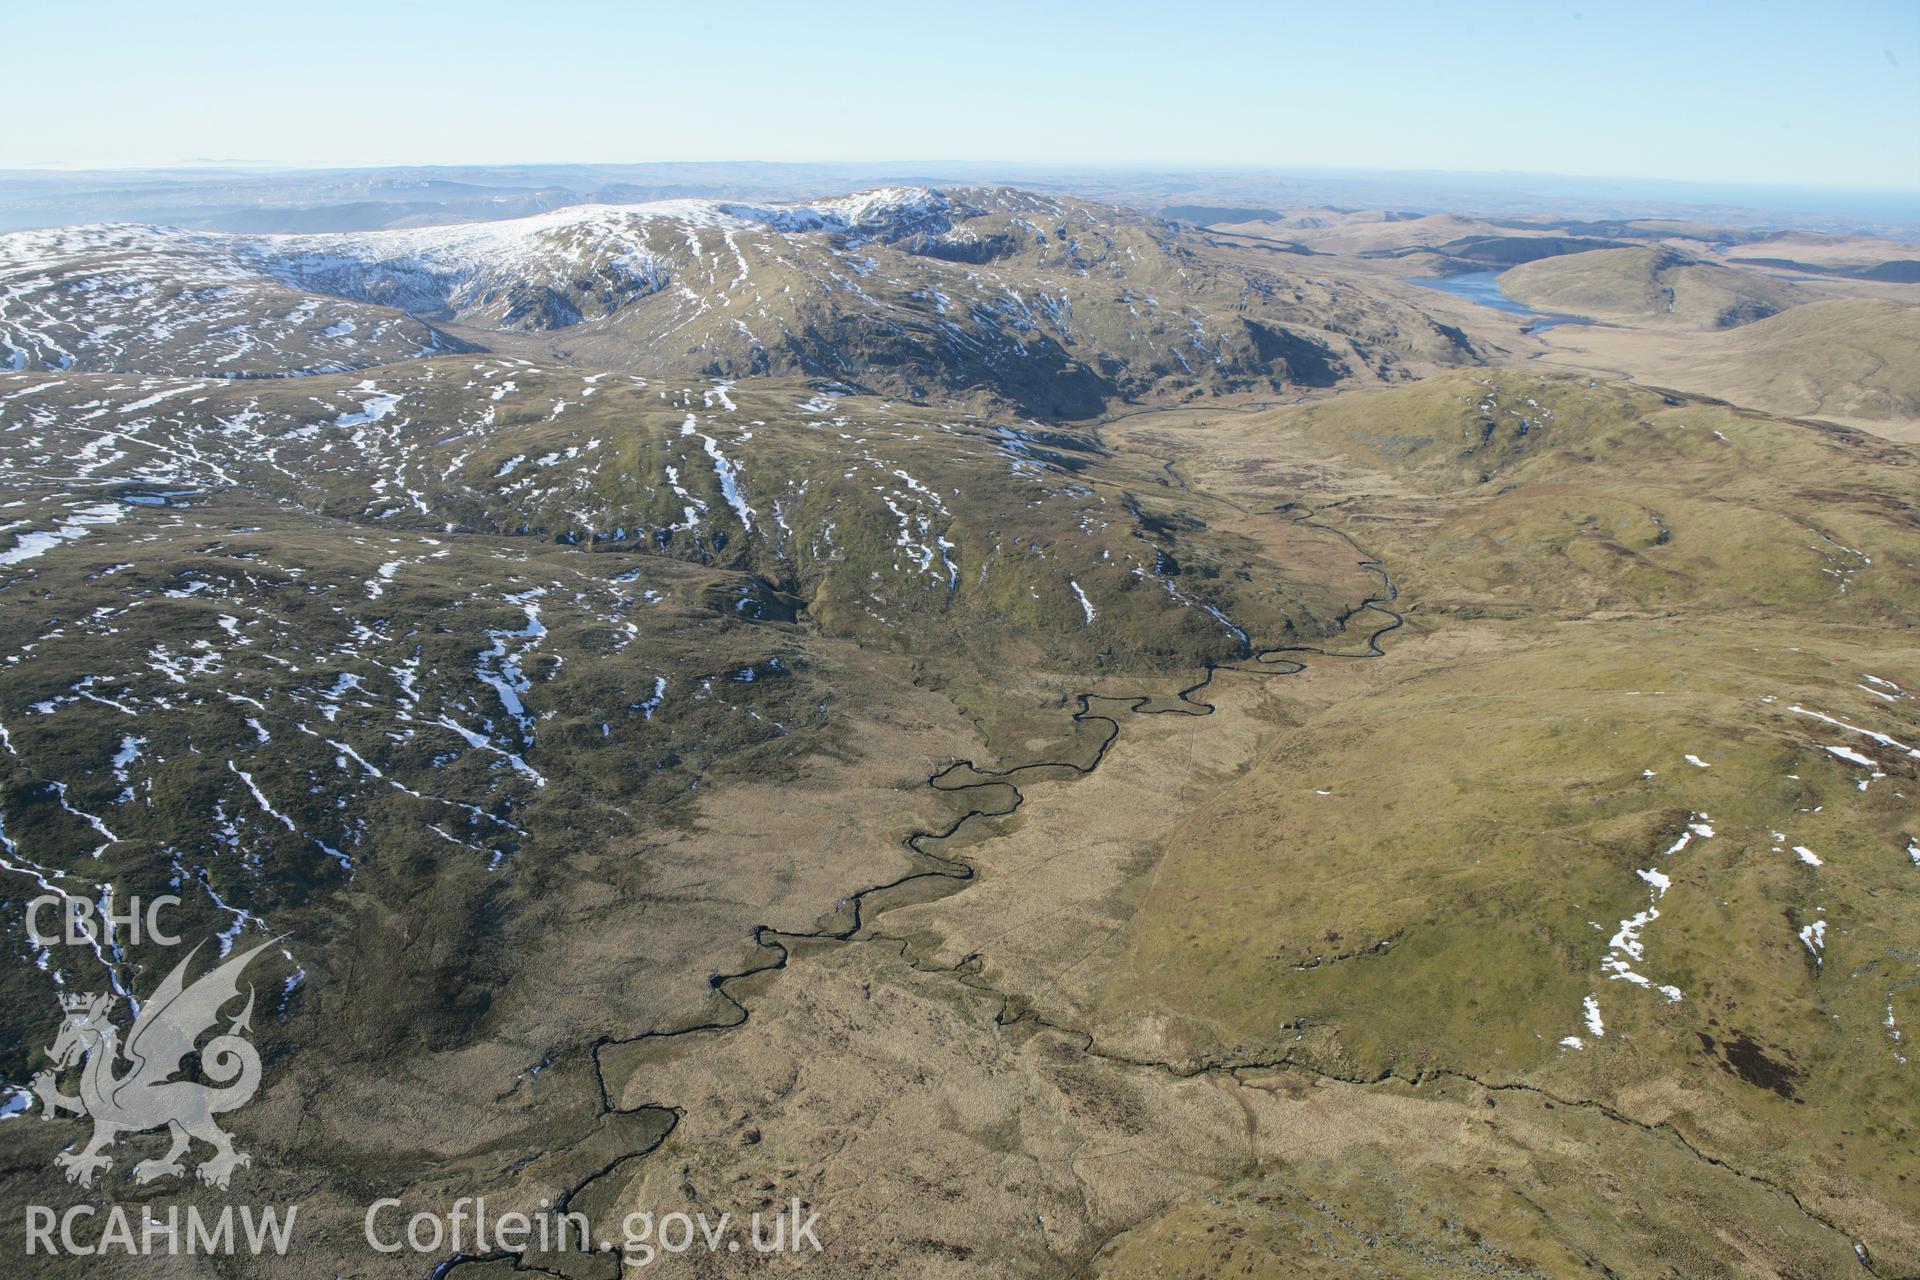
{"x":145,"y":1096}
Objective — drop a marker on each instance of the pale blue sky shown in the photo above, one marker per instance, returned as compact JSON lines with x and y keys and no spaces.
{"x":1809,"y":93}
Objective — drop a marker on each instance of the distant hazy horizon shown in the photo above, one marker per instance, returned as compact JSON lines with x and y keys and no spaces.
{"x":287,"y":198}
{"x":1758,"y":94}
{"x":1543,"y":178}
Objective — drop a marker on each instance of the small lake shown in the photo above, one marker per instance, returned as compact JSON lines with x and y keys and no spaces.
{"x":1483,"y":287}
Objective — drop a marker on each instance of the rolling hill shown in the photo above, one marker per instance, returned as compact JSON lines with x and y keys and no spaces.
{"x":1849,"y":360}
{"x":1844,"y":358}
{"x":1653,"y":285}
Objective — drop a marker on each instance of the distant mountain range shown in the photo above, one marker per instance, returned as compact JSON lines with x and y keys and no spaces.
{"x":230,"y":198}
{"x":1048,"y":304}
